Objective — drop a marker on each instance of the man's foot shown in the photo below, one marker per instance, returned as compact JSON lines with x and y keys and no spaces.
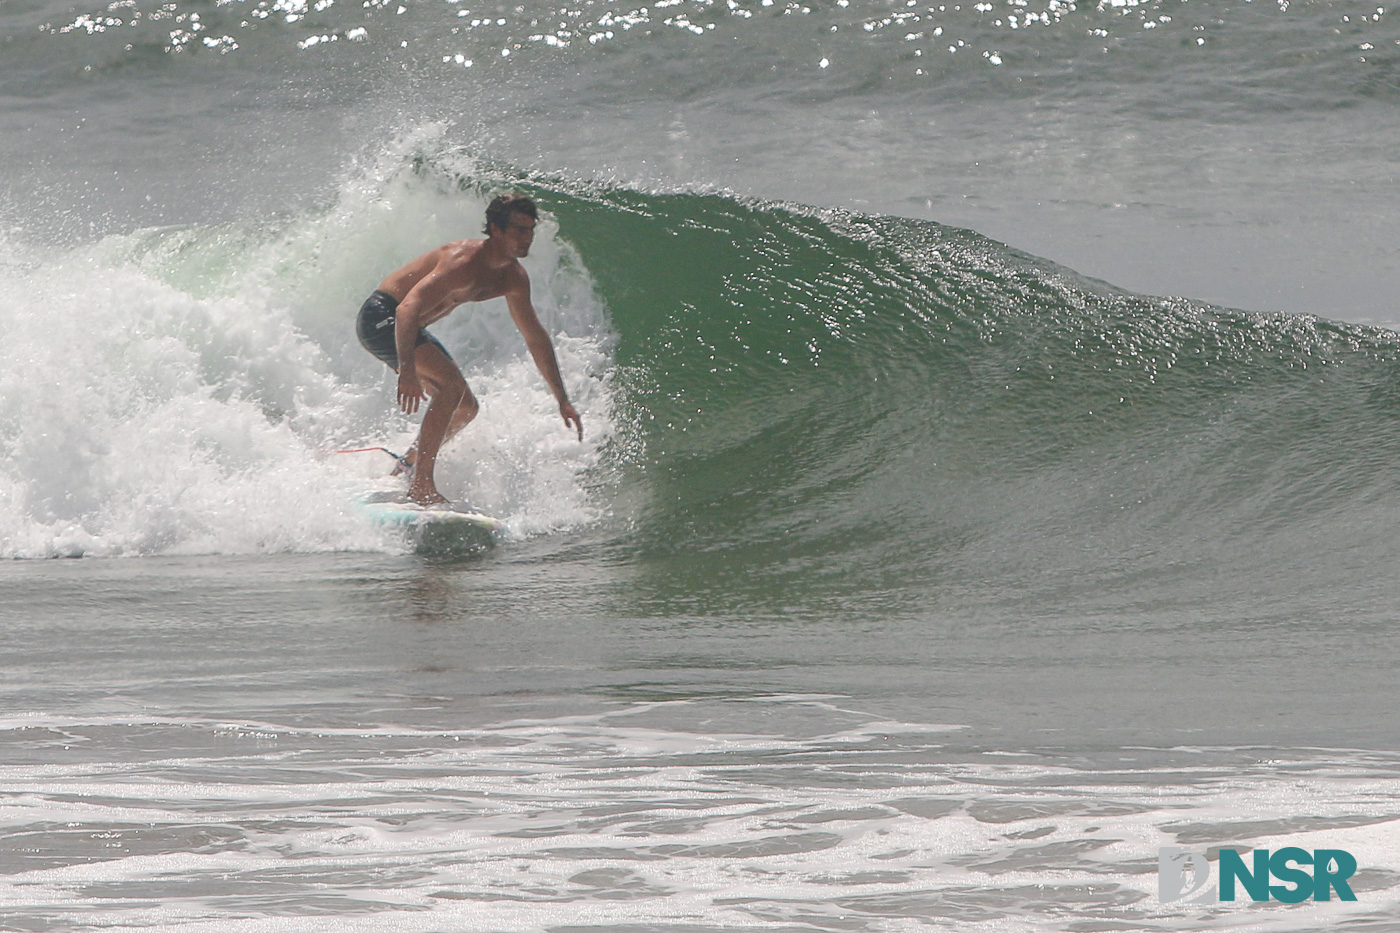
{"x":428,"y":497}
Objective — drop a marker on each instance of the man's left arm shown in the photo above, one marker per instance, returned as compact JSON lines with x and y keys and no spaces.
{"x":522,"y":311}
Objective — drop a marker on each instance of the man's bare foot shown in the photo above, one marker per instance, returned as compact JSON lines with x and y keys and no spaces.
{"x":428,"y":497}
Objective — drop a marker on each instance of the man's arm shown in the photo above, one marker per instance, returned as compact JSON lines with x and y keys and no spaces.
{"x":430,"y":291}
{"x":541,"y":348}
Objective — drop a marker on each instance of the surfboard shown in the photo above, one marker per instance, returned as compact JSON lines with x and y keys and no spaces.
{"x":454,"y":528}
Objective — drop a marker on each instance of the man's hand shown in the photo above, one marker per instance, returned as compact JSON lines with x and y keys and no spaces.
{"x":410,"y":390}
{"x":571,"y":417}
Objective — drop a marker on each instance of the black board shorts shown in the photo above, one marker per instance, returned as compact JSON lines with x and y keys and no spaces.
{"x":375,"y":328}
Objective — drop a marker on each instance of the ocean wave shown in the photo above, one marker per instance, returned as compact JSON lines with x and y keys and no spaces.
{"x":889,"y":401}
{"x":774,"y":394}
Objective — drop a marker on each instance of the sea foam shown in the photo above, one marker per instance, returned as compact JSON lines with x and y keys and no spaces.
{"x":181,"y":390}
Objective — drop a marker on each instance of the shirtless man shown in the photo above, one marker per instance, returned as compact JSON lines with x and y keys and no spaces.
{"x":392,"y":321}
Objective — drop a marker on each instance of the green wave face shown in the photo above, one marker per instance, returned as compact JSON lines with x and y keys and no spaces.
{"x":887,"y":409}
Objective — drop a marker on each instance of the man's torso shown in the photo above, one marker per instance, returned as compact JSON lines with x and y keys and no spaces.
{"x":465,"y":274}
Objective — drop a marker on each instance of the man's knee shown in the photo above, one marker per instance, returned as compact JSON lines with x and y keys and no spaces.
{"x":452,"y":392}
{"x":467,"y":407}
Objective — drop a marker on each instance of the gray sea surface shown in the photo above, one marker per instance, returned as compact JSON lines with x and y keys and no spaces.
{"x":370,"y":742}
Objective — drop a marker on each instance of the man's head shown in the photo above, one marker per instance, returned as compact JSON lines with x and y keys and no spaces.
{"x":512,"y":217}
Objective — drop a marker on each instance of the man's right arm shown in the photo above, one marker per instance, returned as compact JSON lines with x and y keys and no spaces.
{"x":428,"y":293}
{"x":406,"y":329}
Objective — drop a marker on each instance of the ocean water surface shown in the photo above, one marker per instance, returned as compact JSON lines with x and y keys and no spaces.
{"x":992,"y":434}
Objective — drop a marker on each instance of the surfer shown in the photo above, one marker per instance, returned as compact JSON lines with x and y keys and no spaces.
{"x":392,"y":321}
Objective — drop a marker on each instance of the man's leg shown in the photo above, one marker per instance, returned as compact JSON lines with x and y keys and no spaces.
{"x":463,"y":415}
{"x":450,"y":408}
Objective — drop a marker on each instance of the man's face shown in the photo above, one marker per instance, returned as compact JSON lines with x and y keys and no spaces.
{"x":519,"y":233}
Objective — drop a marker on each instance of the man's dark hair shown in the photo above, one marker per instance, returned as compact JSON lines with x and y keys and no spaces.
{"x":499,"y":210}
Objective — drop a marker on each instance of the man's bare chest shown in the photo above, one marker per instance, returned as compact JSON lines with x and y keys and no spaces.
{"x":482,"y":287}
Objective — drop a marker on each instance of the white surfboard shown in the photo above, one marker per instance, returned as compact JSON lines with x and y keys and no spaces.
{"x":452,"y":528}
